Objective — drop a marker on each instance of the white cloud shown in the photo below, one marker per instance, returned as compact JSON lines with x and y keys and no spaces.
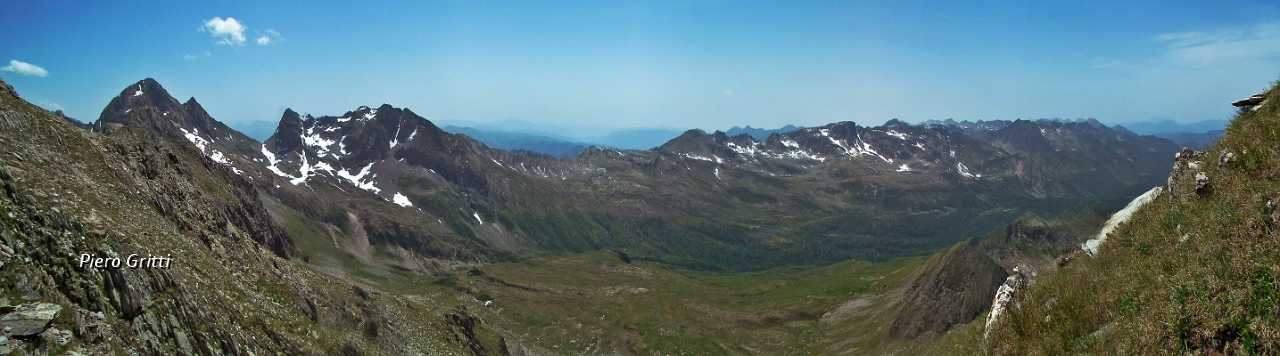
{"x":1200,"y":48}
{"x":49,"y":105}
{"x":729,"y":93}
{"x":269,"y":37}
{"x":25,"y":68}
{"x":230,"y":31}
{"x":189,"y":56}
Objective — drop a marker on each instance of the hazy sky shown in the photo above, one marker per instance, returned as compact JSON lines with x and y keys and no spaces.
{"x":705,"y":64}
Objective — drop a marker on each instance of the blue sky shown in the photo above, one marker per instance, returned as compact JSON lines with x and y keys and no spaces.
{"x":680,"y":64}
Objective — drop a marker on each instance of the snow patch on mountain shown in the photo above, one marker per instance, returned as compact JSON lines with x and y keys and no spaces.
{"x":801,"y":154}
{"x":358,"y":179}
{"x":219,"y":157}
{"x":964,"y":171}
{"x":203,"y":145}
{"x":271,"y":162}
{"x":401,"y":200}
{"x":904,"y":168}
{"x":700,"y":158}
{"x":748,"y":150}
{"x":899,"y":135}
{"x":304,"y":172}
{"x":316,"y":140}
{"x":394,"y":137}
{"x":195,"y":138}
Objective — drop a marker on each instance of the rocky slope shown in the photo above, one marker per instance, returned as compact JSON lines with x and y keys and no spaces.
{"x":1192,"y":272}
{"x":225,"y":283}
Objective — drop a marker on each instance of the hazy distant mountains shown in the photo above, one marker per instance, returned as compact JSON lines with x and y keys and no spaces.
{"x":521,"y":136}
{"x":1197,"y":135}
{"x":1153,"y":127}
{"x":560,"y":146}
{"x":760,"y":134}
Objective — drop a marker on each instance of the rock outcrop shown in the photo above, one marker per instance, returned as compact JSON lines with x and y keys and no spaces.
{"x":1252,"y":103}
{"x":1004,"y":298}
{"x":28,"y":319}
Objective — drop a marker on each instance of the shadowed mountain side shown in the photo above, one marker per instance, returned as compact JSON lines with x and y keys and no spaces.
{"x":954,"y":290}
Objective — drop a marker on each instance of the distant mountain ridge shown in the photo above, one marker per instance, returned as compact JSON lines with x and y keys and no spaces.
{"x":511,"y":141}
{"x":759,"y":133}
{"x":1153,"y":127}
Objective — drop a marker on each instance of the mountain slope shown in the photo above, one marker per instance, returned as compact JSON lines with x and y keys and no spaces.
{"x":68,"y":194}
{"x":1195,"y":271}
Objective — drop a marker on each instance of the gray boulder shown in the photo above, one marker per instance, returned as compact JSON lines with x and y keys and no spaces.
{"x":30,"y":319}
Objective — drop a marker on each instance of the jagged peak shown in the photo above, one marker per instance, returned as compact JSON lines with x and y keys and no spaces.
{"x":896,"y":123}
{"x":720,"y":136}
{"x":143,"y":87}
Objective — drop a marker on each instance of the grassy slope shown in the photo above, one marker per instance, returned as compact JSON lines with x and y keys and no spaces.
{"x":594,"y":303}
{"x":1197,"y":275}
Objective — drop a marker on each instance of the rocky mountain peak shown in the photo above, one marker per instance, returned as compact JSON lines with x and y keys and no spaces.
{"x":7,"y":91}
{"x":288,"y":134}
{"x":148,"y":106}
{"x":354,"y":147}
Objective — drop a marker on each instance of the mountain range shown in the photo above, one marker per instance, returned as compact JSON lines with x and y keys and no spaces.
{"x":699,"y":200}
{"x":380,"y":196}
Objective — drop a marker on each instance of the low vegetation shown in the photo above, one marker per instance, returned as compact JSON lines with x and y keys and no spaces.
{"x":1196,"y":273}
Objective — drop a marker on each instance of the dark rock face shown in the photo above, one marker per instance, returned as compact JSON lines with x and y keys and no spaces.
{"x":955,"y":291}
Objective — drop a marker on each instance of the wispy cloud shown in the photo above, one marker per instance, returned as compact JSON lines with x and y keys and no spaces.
{"x":49,"y":105}
{"x":1201,"y":48}
{"x":1101,"y":63}
{"x":229,"y":31}
{"x":25,"y":68}
{"x":191,"y":57}
{"x":729,"y":93}
{"x":269,"y":36}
